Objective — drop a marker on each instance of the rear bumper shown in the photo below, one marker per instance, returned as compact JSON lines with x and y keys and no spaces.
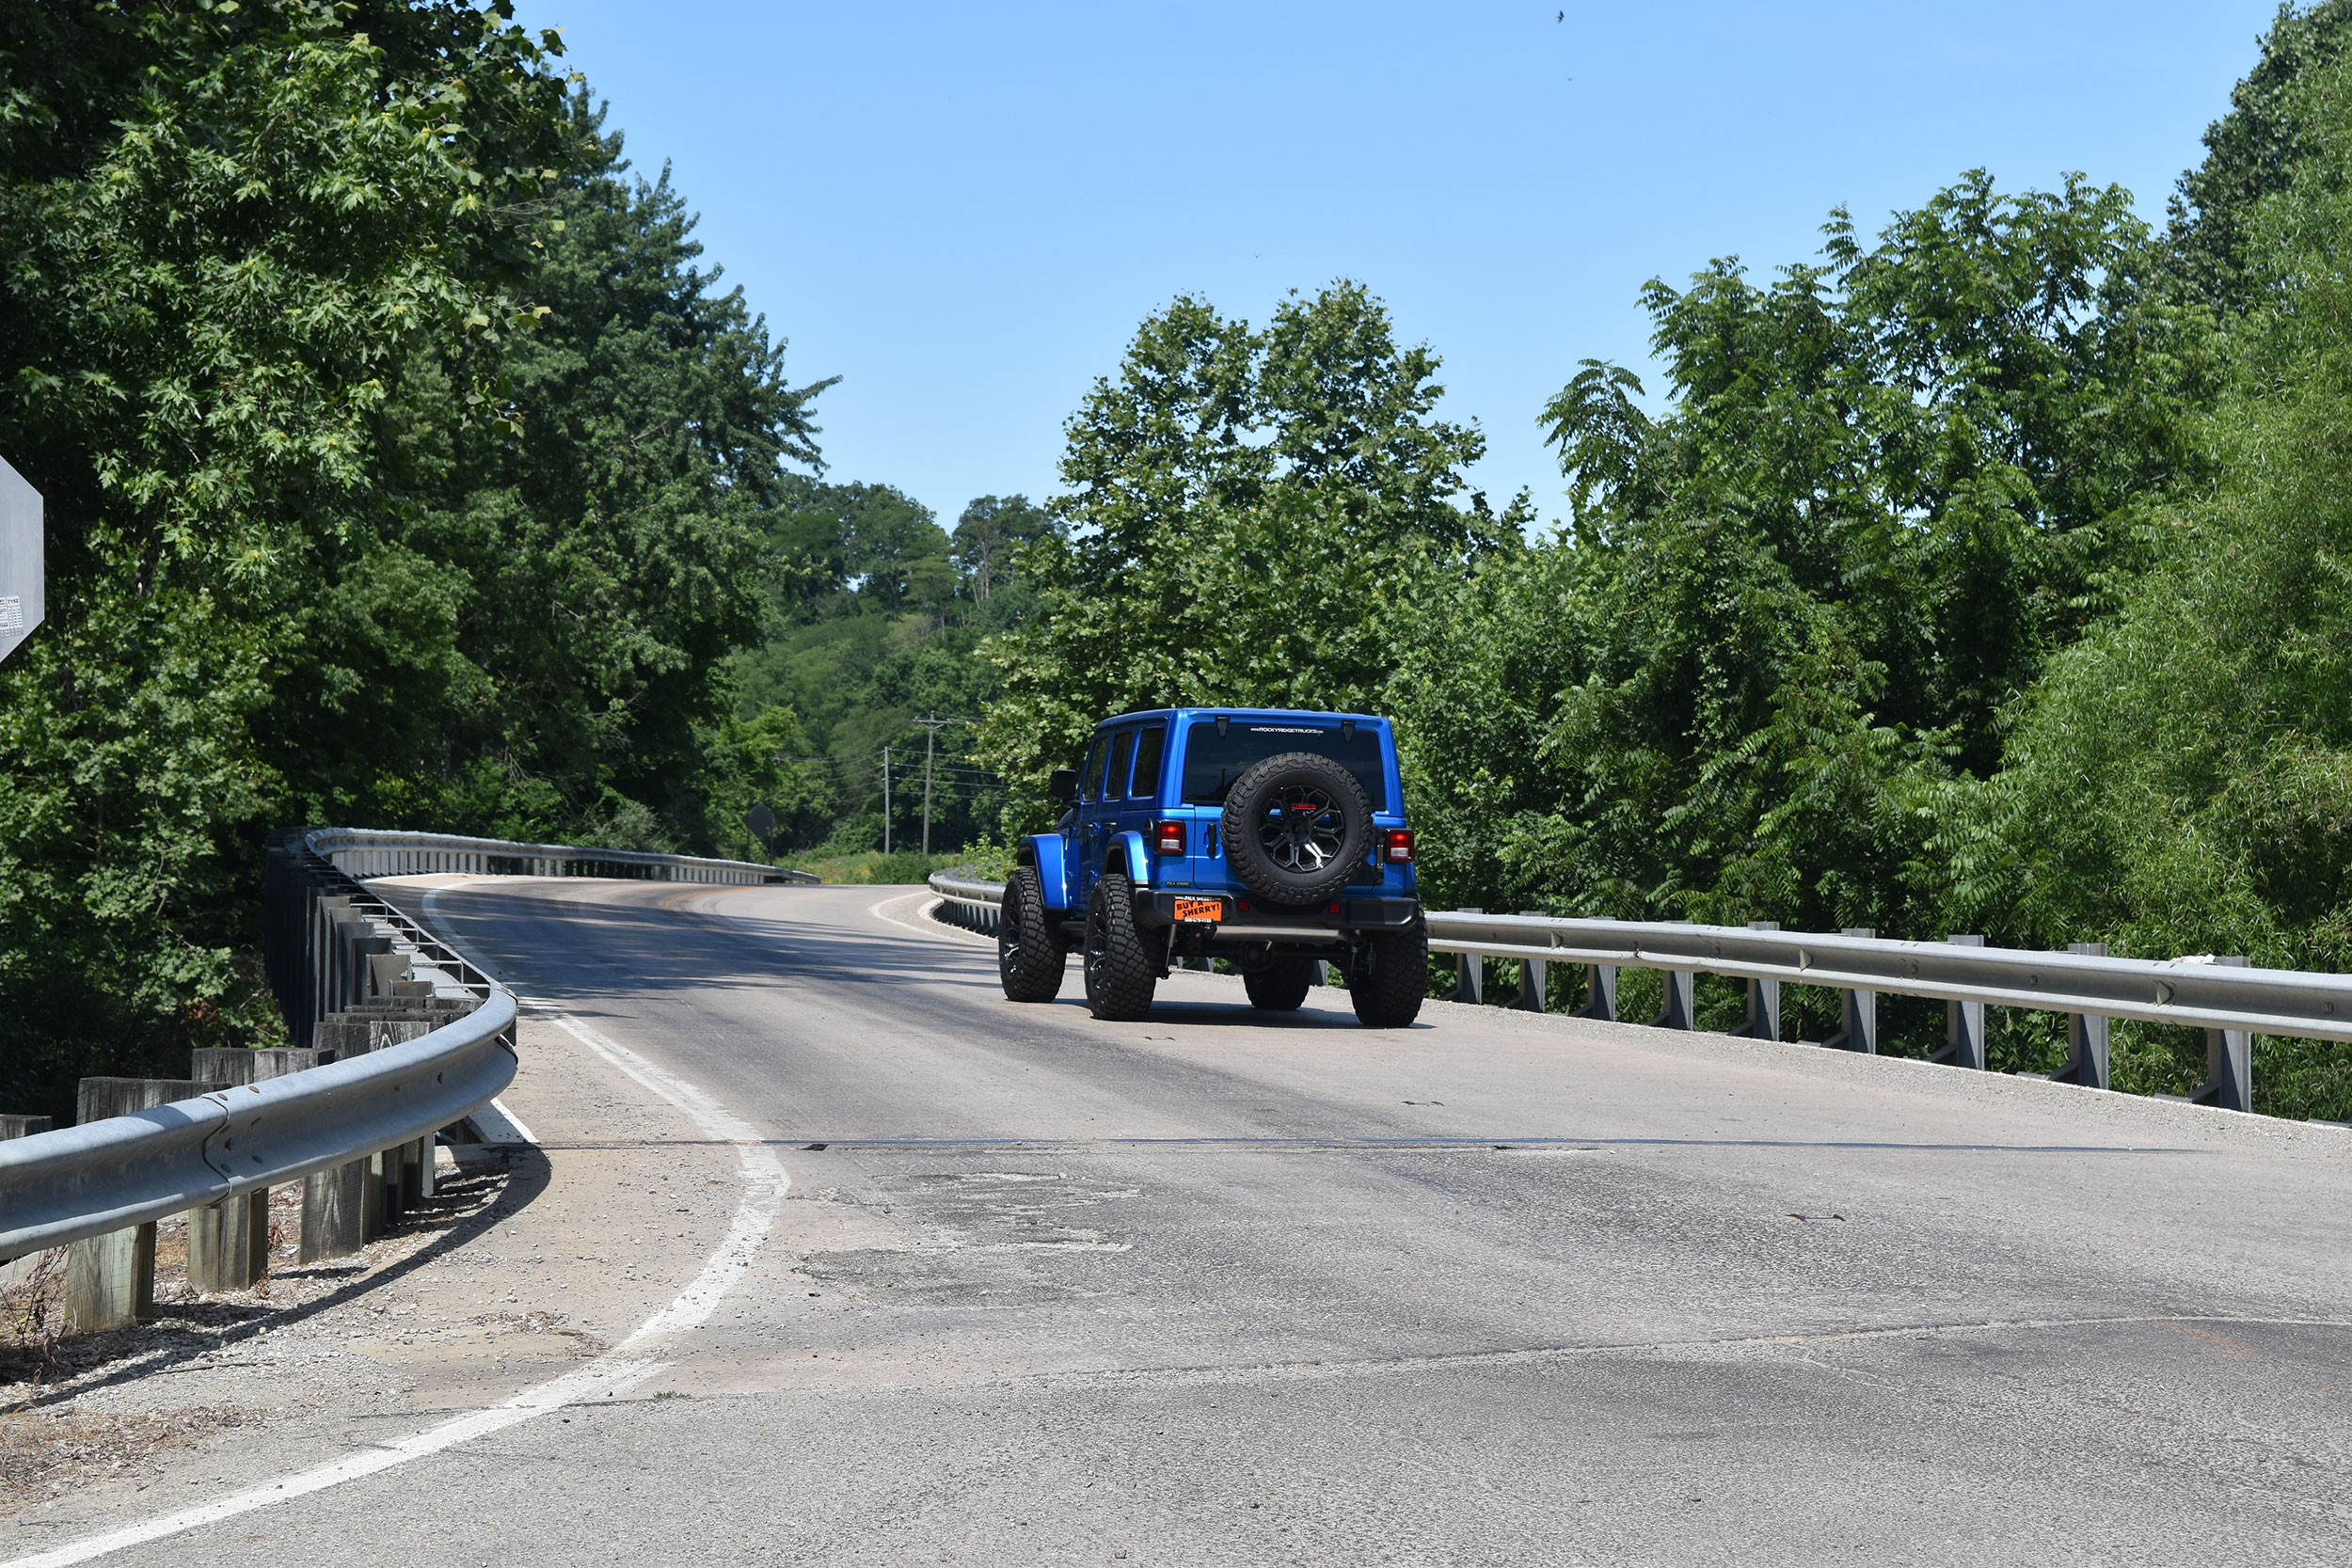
{"x":1161,"y":908}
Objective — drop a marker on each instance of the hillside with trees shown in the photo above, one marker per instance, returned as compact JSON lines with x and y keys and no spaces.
{"x":407,"y":466}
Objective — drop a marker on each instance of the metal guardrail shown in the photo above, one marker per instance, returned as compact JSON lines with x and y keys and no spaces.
{"x":2223,"y":996}
{"x":969,"y":902}
{"x":371,"y":852}
{"x":332,"y":946}
{"x":83,"y":1182}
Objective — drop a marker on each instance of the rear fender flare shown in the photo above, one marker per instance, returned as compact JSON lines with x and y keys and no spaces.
{"x":1044,"y":851}
{"x":1129,"y":854}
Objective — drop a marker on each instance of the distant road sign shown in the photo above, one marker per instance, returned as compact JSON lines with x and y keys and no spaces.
{"x":21,"y":602}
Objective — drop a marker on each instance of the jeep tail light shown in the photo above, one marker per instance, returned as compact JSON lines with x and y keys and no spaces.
{"x":1400,"y":847}
{"x":1168,"y":837}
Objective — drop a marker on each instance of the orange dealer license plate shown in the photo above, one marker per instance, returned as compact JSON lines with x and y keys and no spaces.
{"x":1211,"y":909}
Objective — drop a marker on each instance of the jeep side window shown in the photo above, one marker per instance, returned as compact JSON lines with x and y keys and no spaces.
{"x":1149,"y":747}
{"x":1094,"y":789}
{"x":1122,"y":751}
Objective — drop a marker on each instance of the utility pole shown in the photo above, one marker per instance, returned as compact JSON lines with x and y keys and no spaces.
{"x":931,"y":727}
{"x":885,"y":800}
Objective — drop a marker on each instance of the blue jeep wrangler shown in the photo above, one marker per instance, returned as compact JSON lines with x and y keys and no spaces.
{"x":1273,"y":840}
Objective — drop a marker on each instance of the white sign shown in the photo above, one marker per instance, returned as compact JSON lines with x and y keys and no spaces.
{"x":21,"y":604}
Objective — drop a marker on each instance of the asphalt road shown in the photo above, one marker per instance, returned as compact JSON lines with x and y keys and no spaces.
{"x":1229,"y":1287}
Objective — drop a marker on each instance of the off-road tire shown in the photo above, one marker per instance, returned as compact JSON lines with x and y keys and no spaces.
{"x":1308,"y":855}
{"x":1281,"y":987}
{"x":1028,"y":960}
{"x":1120,"y":973}
{"x":1388,"y":976}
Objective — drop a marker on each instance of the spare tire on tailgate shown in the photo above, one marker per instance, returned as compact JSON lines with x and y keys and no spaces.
{"x":1298,"y":828}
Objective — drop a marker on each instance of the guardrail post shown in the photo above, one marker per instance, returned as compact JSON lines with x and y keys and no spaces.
{"x":1763,"y":1020}
{"x":1600,"y":990}
{"x":334,"y":1203}
{"x":1600,"y":994}
{"x":110,"y":1279}
{"x":22,"y":1126}
{"x":416,"y":1158}
{"x":2229,"y":1062}
{"x":1531,"y":997}
{"x":229,"y":1241}
{"x":1681,"y":987}
{"x":1964,"y":1024}
{"x":1857,"y":1011}
{"x":382,"y":1203}
{"x":1469,"y":972}
{"x":2086,"y":1037}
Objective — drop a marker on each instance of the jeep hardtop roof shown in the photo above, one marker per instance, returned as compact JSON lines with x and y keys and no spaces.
{"x":1244,"y":713}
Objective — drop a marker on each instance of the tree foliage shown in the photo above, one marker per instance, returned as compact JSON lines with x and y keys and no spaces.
{"x":228,"y":228}
{"x":399,"y":467}
{"x":1884,"y":488}
{"x":2252,"y":152}
{"x":1253,"y":516}
{"x":2181,"y":781}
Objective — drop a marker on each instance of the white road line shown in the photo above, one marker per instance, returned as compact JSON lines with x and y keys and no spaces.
{"x":930,"y":928}
{"x":515,"y":1122}
{"x":623,"y":1367}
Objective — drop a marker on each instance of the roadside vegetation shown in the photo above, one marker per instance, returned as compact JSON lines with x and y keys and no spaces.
{"x":405,"y":465}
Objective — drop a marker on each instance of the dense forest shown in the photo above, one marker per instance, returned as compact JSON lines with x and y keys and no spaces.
{"x":405,"y":466}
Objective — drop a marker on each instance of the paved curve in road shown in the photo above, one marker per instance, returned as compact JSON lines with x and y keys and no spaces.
{"x":1223,"y":1288}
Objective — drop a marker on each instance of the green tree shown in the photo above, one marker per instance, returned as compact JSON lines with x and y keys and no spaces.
{"x":2253,"y":151}
{"x":1253,"y":516}
{"x":989,"y":535}
{"x":1883,"y":490}
{"x":2181,"y":781}
{"x":228,"y":228}
{"x":599,"y":552}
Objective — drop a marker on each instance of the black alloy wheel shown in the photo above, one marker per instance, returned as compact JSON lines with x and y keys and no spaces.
{"x":1297,"y":828}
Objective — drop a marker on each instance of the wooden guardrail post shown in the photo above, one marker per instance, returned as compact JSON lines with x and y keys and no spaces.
{"x":229,"y":1241}
{"x":1857,"y":1011}
{"x":110,"y":1279}
{"x":334,"y":1206}
{"x":1964,"y":1024}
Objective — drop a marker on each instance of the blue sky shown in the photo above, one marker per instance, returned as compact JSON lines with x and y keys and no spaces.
{"x":964,"y":211}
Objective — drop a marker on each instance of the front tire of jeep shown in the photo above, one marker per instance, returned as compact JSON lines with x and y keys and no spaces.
{"x":1120,"y":973}
{"x":1028,"y":960}
{"x":1388,"y":976}
{"x":1281,"y":986}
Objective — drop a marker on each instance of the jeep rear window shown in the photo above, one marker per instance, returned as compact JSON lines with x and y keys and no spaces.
{"x":1214,"y":761}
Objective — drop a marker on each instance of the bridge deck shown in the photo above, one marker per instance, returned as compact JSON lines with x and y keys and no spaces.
{"x":1229,"y":1287}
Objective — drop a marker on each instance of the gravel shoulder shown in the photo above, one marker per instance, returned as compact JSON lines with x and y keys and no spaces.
{"x":527,"y":1262}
